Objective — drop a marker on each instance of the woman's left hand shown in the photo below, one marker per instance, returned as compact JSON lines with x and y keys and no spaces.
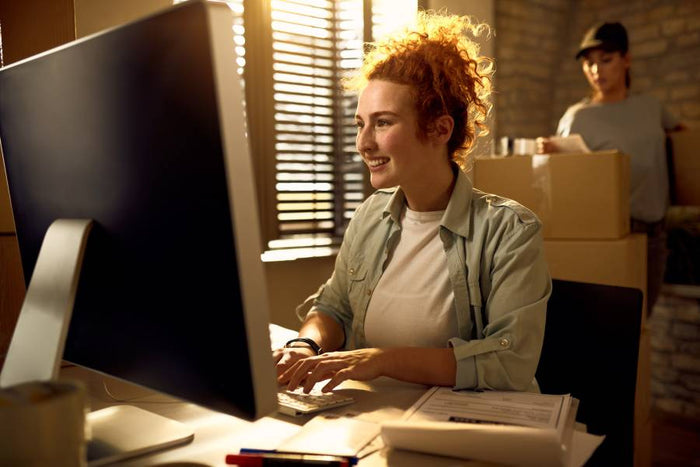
{"x":361,"y":364}
{"x":285,"y":357}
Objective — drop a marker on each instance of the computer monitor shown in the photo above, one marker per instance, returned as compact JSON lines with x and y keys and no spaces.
{"x":141,"y":129}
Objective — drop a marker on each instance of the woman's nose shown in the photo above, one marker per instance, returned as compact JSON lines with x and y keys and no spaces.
{"x":365,"y":139}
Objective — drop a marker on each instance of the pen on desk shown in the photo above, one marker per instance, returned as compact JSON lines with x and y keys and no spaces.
{"x":265,"y":459}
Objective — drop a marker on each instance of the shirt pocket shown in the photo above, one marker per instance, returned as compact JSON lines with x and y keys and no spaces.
{"x":356,"y":273}
{"x":357,"y":283}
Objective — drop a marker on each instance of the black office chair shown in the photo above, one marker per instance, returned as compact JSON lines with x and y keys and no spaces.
{"x":591,"y":347}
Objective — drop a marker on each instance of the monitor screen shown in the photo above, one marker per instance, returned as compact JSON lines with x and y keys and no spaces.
{"x":141,"y":128}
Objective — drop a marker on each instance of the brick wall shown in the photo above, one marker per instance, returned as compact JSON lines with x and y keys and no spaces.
{"x":675,"y":355}
{"x":528,"y":38}
{"x":537,"y":77}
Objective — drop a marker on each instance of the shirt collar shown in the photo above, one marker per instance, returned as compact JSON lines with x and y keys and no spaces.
{"x":456,"y":217}
{"x":395,"y":205}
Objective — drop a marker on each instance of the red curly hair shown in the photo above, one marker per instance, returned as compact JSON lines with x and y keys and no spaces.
{"x":443,"y":67}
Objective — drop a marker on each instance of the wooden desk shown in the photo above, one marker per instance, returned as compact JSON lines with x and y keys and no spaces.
{"x":217,"y":434}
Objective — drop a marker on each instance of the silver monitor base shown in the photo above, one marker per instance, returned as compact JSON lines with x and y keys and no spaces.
{"x":125,"y":431}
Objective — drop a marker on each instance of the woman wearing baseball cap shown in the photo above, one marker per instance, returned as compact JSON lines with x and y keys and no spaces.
{"x":612,"y":117}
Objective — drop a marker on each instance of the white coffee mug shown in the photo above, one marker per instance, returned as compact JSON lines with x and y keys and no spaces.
{"x":43,"y":423}
{"x":524,"y":146}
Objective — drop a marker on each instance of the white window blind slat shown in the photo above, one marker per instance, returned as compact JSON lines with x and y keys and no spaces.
{"x":309,"y":123}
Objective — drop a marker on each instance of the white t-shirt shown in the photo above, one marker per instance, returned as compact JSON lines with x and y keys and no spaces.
{"x":413,"y":302}
{"x":635,"y":126}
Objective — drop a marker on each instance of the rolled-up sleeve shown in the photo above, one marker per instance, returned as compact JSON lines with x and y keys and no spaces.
{"x":517,"y":287}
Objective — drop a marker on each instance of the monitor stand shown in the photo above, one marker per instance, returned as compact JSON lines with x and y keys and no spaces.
{"x":124,"y":431}
{"x":39,"y":338}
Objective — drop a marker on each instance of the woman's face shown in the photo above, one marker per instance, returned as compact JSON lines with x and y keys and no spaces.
{"x":606,"y":71}
{"x":387,"y":136}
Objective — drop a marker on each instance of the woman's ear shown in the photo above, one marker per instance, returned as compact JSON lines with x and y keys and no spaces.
{"x":442,"y":129}
{"x":626,"y":60}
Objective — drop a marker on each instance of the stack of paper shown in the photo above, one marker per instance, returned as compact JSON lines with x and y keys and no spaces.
{"x":512,"y":428}
{"x":573,"y":143}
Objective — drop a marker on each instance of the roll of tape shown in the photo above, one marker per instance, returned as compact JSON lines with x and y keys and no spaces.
{"x":43,"y":423}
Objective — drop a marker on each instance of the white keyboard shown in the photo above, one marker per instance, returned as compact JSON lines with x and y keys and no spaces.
{"x":298,"y":403}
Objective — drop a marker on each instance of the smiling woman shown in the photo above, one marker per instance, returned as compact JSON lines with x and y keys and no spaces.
{"x":392,"y":149}
{"x":435,"y":282}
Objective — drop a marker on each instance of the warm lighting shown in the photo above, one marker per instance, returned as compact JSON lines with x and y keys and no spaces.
{"x":2,"y":57}
{"x":296,"y":253}
{"x":389,"y":15}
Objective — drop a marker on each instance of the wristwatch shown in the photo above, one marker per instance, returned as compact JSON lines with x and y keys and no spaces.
{"x":310,"y":342}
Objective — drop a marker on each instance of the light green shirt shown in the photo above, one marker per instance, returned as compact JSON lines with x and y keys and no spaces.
{"x":496,"y":267}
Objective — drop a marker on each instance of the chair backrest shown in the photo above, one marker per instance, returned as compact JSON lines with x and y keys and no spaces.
{"x":591,"y":347}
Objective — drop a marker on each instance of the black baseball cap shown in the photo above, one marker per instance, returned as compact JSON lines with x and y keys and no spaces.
{"x":611,"y":37}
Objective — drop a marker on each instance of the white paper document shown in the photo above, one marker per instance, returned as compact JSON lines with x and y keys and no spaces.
{"x":332,"y":435}
{"x":325,"y":434}
{"x":536,"y":428}
{"x":498,"y":407}
{"x":571,"y":143}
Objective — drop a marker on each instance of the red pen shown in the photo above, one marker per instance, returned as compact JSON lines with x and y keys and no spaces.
{"x":285,"y":459}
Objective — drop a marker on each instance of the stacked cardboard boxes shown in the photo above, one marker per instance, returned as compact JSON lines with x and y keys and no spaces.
{"x":685,"y":167}
{"x":582,"y":200}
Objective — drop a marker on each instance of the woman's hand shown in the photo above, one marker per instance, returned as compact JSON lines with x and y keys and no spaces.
{"x":285,"y":357}
{"x":361,"y":365}
{"x":546,"y":146}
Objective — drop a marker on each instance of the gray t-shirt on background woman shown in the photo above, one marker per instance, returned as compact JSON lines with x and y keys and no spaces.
{"x":635,"y":126}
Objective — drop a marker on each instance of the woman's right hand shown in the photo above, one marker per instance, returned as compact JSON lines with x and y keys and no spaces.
{"x":546,"y":146}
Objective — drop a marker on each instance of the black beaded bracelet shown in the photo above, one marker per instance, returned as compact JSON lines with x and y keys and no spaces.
{"x":310,"y":342}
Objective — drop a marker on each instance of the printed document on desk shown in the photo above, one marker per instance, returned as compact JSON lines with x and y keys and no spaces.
{"x":499,"y":407}
{"x":535,"y":428}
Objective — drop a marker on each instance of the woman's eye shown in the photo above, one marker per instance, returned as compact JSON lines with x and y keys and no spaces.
{"x":382,"y":123}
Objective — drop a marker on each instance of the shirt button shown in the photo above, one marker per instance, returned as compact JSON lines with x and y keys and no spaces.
{"x":352,"y":271}
{"x":504,"y":342}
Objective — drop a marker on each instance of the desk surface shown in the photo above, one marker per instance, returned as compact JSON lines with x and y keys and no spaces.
{"x":218,"y":434}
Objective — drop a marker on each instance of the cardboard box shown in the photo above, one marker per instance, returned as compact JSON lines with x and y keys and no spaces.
{"x":621,"y":262}
{"x":12,"y":290}
{"x":685,"y":168}
{"x":643,"y":444}
{"x":576,"y":196}
{"x":642,"y":403}
{"x":7,"y":223}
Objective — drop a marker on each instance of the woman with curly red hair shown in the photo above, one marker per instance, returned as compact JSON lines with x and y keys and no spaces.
{"x":435,"y":282}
